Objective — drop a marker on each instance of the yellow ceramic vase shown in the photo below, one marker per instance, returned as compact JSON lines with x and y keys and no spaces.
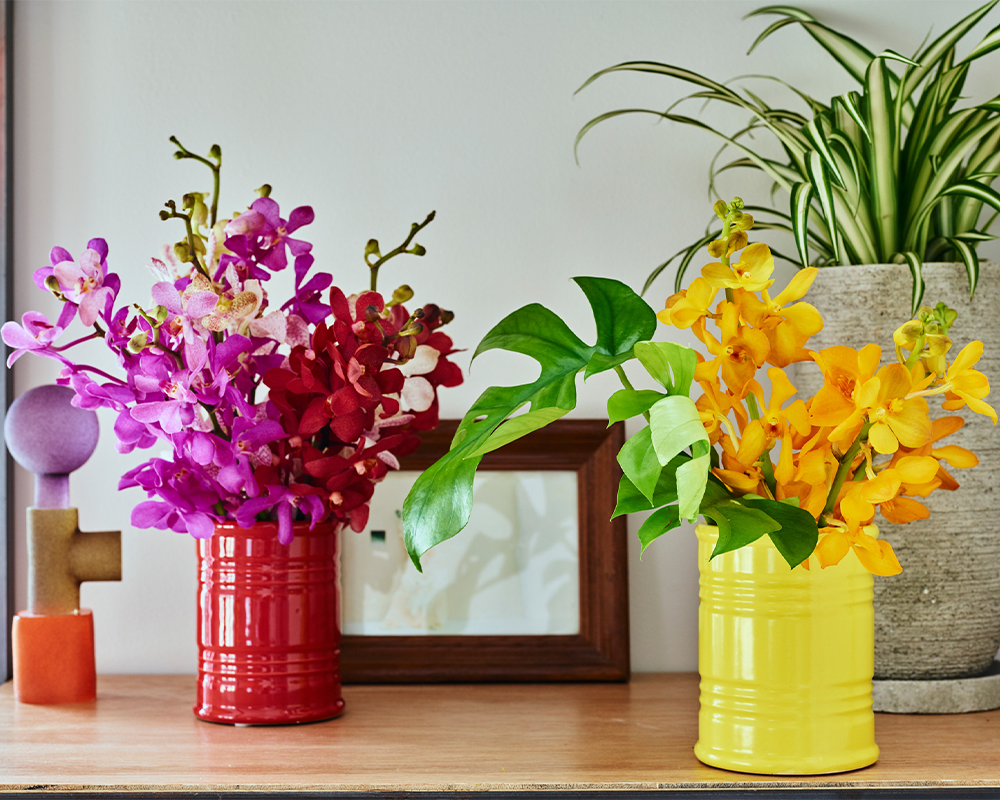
{"x":786,"y":660}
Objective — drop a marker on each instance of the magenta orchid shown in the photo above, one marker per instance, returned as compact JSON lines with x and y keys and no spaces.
{"x":285,"y":413}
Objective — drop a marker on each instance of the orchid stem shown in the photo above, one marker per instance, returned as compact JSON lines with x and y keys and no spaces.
{"x":765,"y":458}
{"x":843,"y":469}
{"x":100,"y":372}
{"x":183,"y":152}
{"x":414,"y":230}
{"x":82,"y":339}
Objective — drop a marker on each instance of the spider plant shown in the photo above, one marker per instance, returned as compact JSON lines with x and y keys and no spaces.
{"x":892,"y":172}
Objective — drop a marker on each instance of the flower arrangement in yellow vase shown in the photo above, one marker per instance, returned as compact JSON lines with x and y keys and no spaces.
{"x":753,"y":461}
{"x":864,"y":441}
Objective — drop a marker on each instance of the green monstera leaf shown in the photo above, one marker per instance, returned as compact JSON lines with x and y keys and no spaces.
{"x":440,"y":502}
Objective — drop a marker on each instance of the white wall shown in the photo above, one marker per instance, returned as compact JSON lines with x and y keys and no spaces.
{"x":374,"y":113}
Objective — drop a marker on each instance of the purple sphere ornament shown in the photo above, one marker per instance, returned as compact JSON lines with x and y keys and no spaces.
{"x":51,"y":437}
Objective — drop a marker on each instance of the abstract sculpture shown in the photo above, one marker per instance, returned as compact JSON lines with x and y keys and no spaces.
{"x":53,"y":640}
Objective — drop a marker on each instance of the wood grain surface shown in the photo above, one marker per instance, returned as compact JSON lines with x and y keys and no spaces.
{"x":140,"y":735}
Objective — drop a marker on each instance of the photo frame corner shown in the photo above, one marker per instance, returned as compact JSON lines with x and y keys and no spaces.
{"x":600,"y":651}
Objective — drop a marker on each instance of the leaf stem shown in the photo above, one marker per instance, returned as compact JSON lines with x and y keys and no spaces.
{"x":628,"y":385}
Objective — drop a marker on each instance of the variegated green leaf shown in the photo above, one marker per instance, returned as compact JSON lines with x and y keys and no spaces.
{"x":969,"y":259}
{"x":912,"y":260}
{"x":850,"y":103}
{"x":774,"y":171}
{"x":820,"y":142}
{"x":990,"y":42}
{"x":801,"y":195}
{"x":884,"y":157}
{"x":823,"y":189}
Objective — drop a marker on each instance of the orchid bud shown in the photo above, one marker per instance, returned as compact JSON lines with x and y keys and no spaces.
{"x":372,"y":314}
{"x":906,"y":335}
{"x":401,"y":295}
{"x":736,"y":204}
{"x":52,"y":284}
{"x":406,"y":346}
{"x":737,"y":241}
{"x":137,"y":343}
{"x":446,"y":316}
{"x":430,"y":314}
{"x":745,"y":222}
{"x":418,"y":250}
{"x":182,"y":252}
{"x":160,"y":314}
{"x":264,"y":191}
{"x":164,"y":215}
{"x":721,"y":209}
{"x":717,"y":248}
{"x":215,"y":152}
{"x":371,"y":249}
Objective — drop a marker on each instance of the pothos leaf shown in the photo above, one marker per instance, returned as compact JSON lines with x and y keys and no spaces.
{"x":692,"y":481}
{"x":671,"y":365}
{"x":675,"y":424}
{"x":631,"y":500}
{"x":638,"y":461}
{"x":799,"y":533}
{"x":440,"y":502}
{"x":628,"y":403}
{"x":738,"y":525}
{"x":657,"y":524}
{"x":623,"y":318}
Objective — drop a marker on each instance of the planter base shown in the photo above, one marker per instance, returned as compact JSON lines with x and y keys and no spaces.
{"x":954,"y":696}
{"x":779,"y":765}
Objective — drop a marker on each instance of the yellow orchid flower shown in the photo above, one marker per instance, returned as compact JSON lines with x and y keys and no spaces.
{"x":713,"y":409}
{"x":739,"y":353}
{"x":895,"y":417}
{"x":875,"y":555}
{"x":885,"y":490}
{"x":775,"y":423}
{"x":966,"y":387}
{"x":752,"y":272}
{"x":740,"y":477}
{"x":951,"y":454}
{"x":787,"y":327}
{"x":844,"y":372}
{"x":684,"y":309}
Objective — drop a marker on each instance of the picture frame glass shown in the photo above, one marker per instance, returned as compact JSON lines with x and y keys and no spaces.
{"x":514,"y":570}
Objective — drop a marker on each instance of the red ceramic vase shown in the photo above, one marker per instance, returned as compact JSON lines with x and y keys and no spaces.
{"x":268,"y":625}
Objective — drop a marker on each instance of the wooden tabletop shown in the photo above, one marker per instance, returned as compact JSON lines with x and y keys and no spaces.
{"x":140,"y":736}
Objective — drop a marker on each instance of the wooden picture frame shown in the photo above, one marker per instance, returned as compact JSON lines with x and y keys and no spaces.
{"x":7,"y":308}
{"x":600,"y":651}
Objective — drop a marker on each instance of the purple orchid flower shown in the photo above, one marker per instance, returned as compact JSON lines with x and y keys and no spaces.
{"x":87,"y":284}
{"x":35,"y":334}
{"x":186,"y":312}
{"x":188,"y":502}
{"x":287,"y":502}
{"x":275,"y":235}
{"x":307,"y":302}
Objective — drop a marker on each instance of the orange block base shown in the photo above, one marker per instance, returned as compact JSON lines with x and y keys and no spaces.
{"x":54,"y":658}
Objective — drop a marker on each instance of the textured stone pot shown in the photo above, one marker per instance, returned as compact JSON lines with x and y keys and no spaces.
{"x":941,"y":617}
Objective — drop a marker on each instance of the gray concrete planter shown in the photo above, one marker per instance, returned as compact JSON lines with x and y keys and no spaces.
{"x":941,"y":617}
